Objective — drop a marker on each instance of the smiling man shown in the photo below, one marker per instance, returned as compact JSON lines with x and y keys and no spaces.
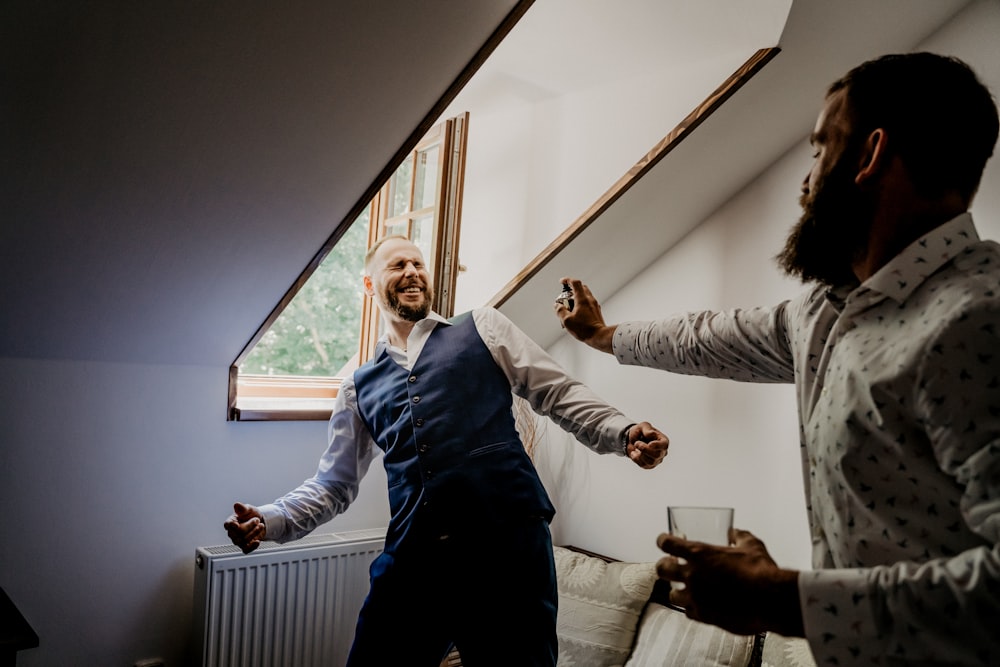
{"x":465,"y":499}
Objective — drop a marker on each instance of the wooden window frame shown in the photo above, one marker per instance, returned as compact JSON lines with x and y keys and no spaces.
{"x":453,"y":203}
{"x":310,"y":398}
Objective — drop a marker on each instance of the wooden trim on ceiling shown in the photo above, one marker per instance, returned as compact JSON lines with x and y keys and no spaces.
{"x":735,"y":81}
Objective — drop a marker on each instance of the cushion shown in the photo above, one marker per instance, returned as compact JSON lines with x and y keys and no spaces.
{"x":668,"y":637}
{"x":782,"y":651}
{"x":599,"y":607}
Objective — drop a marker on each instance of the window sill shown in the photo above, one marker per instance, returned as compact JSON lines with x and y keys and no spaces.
{"x":281,"y":398}
{"x":283,"y":409}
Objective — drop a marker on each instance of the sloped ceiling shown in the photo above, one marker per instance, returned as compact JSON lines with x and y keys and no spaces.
{"x":170,"y":168}
{"x":774,"y":111}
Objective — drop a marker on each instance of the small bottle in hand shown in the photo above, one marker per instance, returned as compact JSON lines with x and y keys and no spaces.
{"x":566,"y":296}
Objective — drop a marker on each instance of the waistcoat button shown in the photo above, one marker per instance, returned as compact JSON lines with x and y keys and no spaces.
{"x":416,"y":399}
{"x":413,"y":378}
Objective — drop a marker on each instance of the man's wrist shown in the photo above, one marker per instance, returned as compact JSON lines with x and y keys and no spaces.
{"x":623,"y":438}
{"x":785,"y":610}
{"x":603,"y":338}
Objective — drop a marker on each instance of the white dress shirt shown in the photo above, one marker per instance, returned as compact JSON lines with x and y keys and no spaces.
{"x":533,"y":375}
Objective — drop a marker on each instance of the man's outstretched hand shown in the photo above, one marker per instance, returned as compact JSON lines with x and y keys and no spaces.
{"x":647,"y":446}
{"x":585,"y":321}
{"x":245,"y":527}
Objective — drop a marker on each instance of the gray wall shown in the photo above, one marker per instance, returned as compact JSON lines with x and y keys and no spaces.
{"x":111,"y":475}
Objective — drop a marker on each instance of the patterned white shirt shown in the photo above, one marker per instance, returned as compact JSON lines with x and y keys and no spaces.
{"x":898,"y":387}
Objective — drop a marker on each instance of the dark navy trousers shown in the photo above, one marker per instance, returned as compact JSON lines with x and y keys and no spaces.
{"x":491,"y":593}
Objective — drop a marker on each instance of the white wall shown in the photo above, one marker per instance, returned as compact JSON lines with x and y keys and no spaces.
{"x":732,"y":444}
{"x":537,"y":159}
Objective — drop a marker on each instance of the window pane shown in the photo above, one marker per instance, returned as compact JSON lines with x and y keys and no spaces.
{"x":423,"y":234}
{"x":318,"y":332}
{"x":401,"y":227}
{"x":426,"y":183}
{"x":399,"y":192}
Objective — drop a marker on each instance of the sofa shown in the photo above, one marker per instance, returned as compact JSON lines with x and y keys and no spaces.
{"x":616,"y":614}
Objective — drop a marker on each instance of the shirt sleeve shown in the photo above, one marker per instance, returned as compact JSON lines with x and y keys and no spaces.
{"x":539,"y":379}
{"x":944,"y":610}
{"x":335,"y":485}
{"x":745,"y":345}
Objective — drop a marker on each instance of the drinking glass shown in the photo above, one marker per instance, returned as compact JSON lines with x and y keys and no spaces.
{"x":700,"y":524}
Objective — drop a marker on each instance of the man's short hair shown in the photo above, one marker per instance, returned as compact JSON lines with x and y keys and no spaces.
{"x":378,"y":244}
{"x":939,"y":118}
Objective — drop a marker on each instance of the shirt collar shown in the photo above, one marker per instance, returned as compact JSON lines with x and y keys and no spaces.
{"x":421,"y":330}
{"x":910,"y":268}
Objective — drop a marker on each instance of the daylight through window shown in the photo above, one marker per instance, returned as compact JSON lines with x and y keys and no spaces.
{"x":293,"y":368}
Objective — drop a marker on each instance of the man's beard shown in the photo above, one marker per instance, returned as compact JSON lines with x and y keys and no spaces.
{"x":833,"y":231}
{"x":411,"y":313}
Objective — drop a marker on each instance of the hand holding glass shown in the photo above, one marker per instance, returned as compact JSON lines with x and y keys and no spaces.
{"x":711,"y":525}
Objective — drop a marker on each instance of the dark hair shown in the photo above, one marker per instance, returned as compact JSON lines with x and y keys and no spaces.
{"x":939,"y":118}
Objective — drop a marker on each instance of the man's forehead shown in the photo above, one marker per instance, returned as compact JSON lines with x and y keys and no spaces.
{"x":398,"y":248}
{"x":831,"y":115}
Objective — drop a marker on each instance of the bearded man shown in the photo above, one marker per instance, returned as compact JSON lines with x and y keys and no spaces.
{"x":436,"y":401}
{"x":895,"y":355}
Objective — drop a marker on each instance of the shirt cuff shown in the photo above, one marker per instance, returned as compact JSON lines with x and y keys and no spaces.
{"x":620,"y":443}
{"x":274,"y":522}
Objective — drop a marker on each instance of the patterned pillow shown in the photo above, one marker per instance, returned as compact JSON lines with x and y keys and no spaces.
{"x":782,"y":651}
{"x":599,"y":607}
{"x":668,"y":637}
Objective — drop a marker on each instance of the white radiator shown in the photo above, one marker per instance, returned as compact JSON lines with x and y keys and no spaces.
{"x":292,"y":605}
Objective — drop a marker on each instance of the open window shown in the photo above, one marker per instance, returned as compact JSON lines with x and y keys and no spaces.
{"x":326,"y":326}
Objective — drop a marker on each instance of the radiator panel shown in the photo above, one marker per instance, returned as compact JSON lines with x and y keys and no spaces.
{"x":291,"y":605}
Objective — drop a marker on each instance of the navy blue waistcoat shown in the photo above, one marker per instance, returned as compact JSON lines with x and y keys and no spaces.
{"x":453,"y":458}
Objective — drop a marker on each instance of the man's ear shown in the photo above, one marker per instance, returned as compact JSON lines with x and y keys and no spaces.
{"x":874,"y":156}
{"x":369,"y":290}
